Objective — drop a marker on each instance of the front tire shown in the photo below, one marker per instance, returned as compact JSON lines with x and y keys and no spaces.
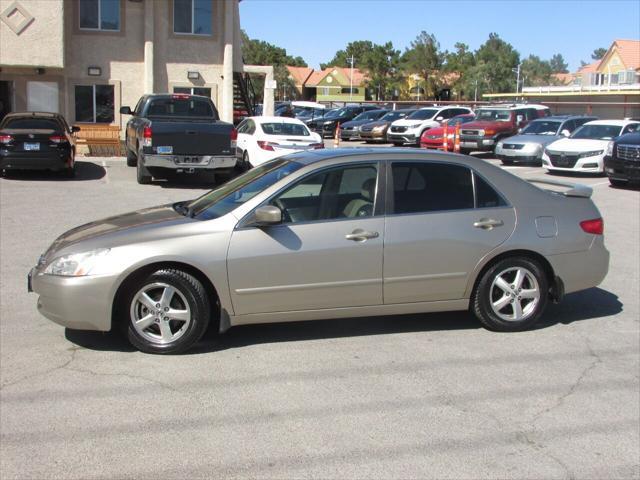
{"x":617,"y":183}
{"x":511,"y":295}
{"x":168,"y":312}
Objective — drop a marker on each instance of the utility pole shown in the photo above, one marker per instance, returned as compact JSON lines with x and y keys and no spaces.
{"x":351,"y":80}
{"x":517,"y":72}
{"x":475,"y":94}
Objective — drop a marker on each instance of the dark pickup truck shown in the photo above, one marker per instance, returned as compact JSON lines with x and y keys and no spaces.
{"x":178,"y":133}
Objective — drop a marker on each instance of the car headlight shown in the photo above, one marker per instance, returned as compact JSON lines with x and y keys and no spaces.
{"x":378,"y":129}
{"x":329,"y":122}
{"x":609,"y":150}
{"x":593,"y":153}
{"x":499,"y":145}
{"x":415,"y":125}
{"x":531,"y":147}
{"x":93,"y":262}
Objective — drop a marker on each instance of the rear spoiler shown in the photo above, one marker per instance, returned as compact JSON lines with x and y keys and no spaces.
{"x":574,"y":189}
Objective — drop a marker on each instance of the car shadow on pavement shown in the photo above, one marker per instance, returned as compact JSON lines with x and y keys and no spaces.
{"x":84,"y":171}
{"x":584,"y":305}
{"x":193,"y":181}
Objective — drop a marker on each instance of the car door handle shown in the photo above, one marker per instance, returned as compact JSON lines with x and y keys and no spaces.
{"x":360,"y":235}
{"x":488,"y":223}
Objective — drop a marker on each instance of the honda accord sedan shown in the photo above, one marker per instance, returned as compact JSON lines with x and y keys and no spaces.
{"x":327,"y":235}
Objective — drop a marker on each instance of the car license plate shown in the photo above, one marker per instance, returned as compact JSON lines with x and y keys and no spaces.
{"x":165,"y":150}
{"x":31,"y":147}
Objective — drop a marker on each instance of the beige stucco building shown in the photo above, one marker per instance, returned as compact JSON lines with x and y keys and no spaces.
{"x":86,"y":58}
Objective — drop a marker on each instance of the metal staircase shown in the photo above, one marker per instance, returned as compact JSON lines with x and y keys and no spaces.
{"x":244,"y":96}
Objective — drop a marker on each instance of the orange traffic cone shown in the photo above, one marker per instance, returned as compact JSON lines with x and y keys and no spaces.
{"x":445,"y":143}
{"x":456,"y":142}
{"x":336,"y":139}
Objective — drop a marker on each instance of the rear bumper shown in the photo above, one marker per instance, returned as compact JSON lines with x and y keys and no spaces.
{"x":623,"y":170}
{"x":181,"y":162}
{"x":582,"y":270}
{"x":81,"y":303}
{"x":53,"y":160}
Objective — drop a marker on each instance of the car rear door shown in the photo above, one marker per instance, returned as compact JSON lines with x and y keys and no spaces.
{"x":442,"y":220}
{"x":327,"y":253}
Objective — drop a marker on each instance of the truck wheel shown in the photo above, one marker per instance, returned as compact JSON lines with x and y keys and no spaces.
{"x":168,"y":312}
{"x":617,"y":183}
{"x":131,"y":158}
{"x":246,"y":163}
{"x":142,"y":173}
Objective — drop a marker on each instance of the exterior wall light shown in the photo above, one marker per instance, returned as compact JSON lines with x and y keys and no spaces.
{"x":94,"y":71}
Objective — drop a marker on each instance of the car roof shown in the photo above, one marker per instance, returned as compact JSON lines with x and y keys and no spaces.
{"x":265,"y":119}
{"x":33,"y":114}
{"x":619,"y":123}
{"x":313,"y":156}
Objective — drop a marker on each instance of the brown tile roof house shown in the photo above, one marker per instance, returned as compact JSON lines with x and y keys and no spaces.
{"x":300,"y":75}
{"x":629,"y":52}
{"x":316,"y":77}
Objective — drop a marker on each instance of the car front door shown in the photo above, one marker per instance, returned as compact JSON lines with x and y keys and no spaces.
{"x":327,"y":252}
{"x":442,"y":219}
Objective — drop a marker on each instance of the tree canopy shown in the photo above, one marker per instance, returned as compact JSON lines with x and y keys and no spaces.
{"x":598,"y":53}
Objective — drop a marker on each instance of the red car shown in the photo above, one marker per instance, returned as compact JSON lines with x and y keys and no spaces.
{"x":434,"y":137}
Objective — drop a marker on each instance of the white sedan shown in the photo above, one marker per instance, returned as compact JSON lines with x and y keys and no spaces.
{"x":585,"y":149}
{"x":264,"y":138}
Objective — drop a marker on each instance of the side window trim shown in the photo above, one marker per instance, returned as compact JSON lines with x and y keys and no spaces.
{"x":507,"y":204}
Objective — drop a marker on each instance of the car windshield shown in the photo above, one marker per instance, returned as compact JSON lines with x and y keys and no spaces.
{"x":391,"y":116}
{"x":461,"y":119}
{"x":31,"y":124}
{"x":371,"y":115}
{"x":231,"y":195}
{"x":542,"y":127}
{"x":338,"y":113}
{"x":423,"y":114}
{"x":597,"y":132}
{"x":493,"y":115}
{"x":282,"y":128}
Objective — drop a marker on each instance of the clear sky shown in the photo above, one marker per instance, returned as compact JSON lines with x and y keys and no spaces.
{"x":316,"y":29}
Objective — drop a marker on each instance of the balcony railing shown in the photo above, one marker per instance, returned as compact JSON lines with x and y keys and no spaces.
{"x":583,"y":88}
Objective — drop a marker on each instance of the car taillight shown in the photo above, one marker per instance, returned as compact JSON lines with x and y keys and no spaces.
{"x":6,"y":139}
{"x":595,"y":226}
{"x":57,"y":139}
{"x":181,"y":96}
{"x":267,"y":145}
{"x":234,"y":134}
{"x":317,"y":146}
{"x":146,"y":136}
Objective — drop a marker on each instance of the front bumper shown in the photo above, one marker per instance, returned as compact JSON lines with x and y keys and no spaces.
{"x":182,"y":162}
{"x":349,"y":134}
{"x":403,"y":138}
{"x":585,"y":165}
{"x":50,"y":160}
{"x":373,"y":135}
{"x":624,"y":170}
{"x":79,"y":303}
{"x":478,"y":144}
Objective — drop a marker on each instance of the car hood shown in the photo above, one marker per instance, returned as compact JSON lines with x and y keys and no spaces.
{"x":577,"y":145}
{"x":482,"y":124}
{"x":539,"y":139}
{"x":405,"y":122}
{"x":132,"y":227}
{"x":377,"y":123}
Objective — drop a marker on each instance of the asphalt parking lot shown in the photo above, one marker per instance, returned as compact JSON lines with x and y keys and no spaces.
{"x":418,"y":396}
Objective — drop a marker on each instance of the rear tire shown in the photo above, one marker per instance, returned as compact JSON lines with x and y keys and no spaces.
{"x":142,"y":173}
{"x":511,"y":295}
{"x":132,"y":160}
{"x":617,"y":183}
{"x":507,"y":162}
{"x":166,"y":312}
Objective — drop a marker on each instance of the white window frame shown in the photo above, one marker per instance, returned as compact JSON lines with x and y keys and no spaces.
{"x":100,"y":29}
{"x":193,"y":16}
{"x":95,"y":110}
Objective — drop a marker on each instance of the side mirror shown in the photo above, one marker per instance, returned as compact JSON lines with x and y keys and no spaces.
{"x":75,"y":129}
{"x":268,"y":215}
{"x":439,"y":119}
{"x":125,"y":110}
{"x":565,"y":133}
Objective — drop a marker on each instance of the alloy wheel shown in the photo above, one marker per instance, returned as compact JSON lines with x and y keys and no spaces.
{"x":514,"y":294}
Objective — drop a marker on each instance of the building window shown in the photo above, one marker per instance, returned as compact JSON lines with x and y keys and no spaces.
{"x":100,"y":15}
{"x":324,"y":91}
{"x":94,"y":103}
{"x":204,"y":91}
{"x":192,"y":16}
{"x":347,"y":90}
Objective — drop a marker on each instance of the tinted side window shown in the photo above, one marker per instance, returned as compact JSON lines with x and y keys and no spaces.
{"x":486,"y":196}
{"x":251,"y":127}
{"x":429,"y":187}
{"x":343,"y":192}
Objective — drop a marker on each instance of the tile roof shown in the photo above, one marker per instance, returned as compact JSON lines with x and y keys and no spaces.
{"x":589,"y":68}
{"x":564,"y":78}
{"x":629,"y":52}
{"x":300,"y":74}
{"x":316,"y":77}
